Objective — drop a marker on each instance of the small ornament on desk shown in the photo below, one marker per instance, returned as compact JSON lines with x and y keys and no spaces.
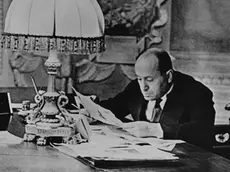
{"x":25,"y":110}
{"x":26,"y":105}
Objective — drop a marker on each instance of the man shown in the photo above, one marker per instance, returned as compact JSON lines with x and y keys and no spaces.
{"x":185,"y":105}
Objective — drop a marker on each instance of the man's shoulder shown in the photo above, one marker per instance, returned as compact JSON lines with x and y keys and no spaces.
{"x":189,"y":84}
{"x":133,"y":84}
{"x":182,"y":77}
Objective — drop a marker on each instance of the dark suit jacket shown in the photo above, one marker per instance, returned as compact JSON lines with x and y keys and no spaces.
{"x":188,"y":113}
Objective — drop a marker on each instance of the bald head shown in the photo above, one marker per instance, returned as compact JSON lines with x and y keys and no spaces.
{"x":155,"y":59}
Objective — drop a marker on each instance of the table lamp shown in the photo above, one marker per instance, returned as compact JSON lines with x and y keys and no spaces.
{"x":54,"y":26}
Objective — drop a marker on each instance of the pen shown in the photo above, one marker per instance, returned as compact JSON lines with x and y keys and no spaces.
{"x":34,"y":84}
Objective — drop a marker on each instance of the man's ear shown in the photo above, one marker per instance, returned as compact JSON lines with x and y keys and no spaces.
{"x":169,"y":74}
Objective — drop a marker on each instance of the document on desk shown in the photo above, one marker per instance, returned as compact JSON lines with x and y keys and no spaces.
{"x":119,"y":133}
{"x":108,"y":146}
{"x":97,"y":112}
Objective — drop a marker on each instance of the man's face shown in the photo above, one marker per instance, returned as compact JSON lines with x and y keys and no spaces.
{"x":152,"y":83}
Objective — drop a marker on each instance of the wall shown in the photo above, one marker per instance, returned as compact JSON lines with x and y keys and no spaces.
{"x":200,"y":43}
{"x":105,"y":76}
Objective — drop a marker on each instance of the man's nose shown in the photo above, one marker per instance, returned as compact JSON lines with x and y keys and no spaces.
{"x":145,"y":86}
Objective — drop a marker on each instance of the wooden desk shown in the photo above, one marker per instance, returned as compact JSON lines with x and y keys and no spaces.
{"x":27,"y":157}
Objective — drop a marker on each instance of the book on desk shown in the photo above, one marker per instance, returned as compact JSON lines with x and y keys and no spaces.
{"x":119,"y":163}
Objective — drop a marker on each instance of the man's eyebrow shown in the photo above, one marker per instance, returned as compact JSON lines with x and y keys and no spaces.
{"x":145,"y":77}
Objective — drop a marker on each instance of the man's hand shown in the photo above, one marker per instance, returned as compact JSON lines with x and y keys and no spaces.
{"x":144,"y":129}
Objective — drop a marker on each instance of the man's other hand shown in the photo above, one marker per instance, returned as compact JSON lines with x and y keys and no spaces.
{"x":144,"y":129}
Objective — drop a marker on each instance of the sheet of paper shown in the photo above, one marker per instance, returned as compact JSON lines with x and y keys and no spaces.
{"x":120,"y":152}
{"x":82,"y":126}
{"x":107,"y":144}
{"x":97,"y":112}
{"x":115,"y":150}
{"x":7,"y":138}
{"x":162,"y":144}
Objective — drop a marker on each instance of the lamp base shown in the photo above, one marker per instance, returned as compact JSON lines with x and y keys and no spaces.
{"x":42,"y":135}
{"x":49,"y":121}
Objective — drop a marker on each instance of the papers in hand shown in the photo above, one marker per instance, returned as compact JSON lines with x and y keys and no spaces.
{"x":97,"y":112}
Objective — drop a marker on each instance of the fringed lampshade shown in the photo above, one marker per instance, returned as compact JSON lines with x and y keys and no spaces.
{"x":70,"y":26}
{"x":54,"y":26}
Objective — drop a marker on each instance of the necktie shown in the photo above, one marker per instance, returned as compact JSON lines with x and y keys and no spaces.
{"x":157,"y":111}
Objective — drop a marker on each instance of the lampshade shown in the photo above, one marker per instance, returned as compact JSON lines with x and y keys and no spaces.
{"x":69,"y":26}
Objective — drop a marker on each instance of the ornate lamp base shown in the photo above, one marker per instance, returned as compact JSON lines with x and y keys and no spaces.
{"x":42,"y":135}
{"x":49,"y":119}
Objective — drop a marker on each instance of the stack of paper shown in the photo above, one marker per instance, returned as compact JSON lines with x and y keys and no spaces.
{"x":108,"y":145}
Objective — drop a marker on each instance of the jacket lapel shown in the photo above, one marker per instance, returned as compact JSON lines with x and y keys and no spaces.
{"x":173,"y":109}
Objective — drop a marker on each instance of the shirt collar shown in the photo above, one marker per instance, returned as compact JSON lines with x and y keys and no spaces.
{"x":164,"y":98}
{"x":170,"y":89}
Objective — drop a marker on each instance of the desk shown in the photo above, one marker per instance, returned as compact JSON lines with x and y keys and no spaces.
{"x":28,"y":157}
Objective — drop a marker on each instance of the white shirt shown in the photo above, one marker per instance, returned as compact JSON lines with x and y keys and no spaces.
{"x":151,"y":104}
{"x":156,"y":128}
